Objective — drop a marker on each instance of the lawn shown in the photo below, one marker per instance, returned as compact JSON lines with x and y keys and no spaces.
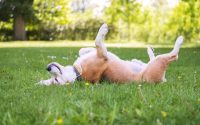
{"x":24,"y":103}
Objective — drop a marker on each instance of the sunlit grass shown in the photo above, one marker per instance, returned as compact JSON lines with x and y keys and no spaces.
{"x":116,"y":44}
{"x":24,"y":103}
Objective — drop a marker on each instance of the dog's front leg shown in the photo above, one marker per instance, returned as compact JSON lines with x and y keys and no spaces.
{"x":100,"y":46}
{"x":46,"y":82}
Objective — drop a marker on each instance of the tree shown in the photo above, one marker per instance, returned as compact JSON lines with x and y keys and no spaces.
{"x":186,"y":19}
{"x":192,"y":31}
{"x":125,"y":11}
{"x":19,"y":11}
{"x":53,"y":17}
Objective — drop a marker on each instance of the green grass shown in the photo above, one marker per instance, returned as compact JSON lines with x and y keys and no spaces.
{"x":24,"y":103}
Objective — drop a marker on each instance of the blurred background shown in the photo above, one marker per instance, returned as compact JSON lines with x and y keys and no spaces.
{"x":151,"y":21}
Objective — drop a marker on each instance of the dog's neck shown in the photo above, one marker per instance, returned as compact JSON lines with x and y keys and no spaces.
{"x":78,"y":75}
{"x":71,"y":74}
{"x":68,"y":74}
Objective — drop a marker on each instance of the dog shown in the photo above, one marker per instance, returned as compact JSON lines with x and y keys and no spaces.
{"x":97,"y":63}
{"x":89,"y":66}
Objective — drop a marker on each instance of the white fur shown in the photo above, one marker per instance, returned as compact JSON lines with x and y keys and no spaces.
{"x":150,"y":53}
{"x":101,"y":34}
{"x":84,"y":51}
{"x":102,"y":50}
{"x":177,"y":45}
{"x":68,"y":75}
{"x":137,"y":65}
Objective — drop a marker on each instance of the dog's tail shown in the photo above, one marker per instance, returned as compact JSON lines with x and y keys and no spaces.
{"x":178,"y":43}
{"x":150,"y":52}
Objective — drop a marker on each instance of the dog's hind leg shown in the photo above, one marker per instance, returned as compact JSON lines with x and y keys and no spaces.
{"x":173,"y":55}
{"x":178,"y":43}
{"x":100,"y":46}
{"x":156,"y":68}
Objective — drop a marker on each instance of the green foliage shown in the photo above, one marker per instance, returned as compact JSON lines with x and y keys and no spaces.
{"x":51,"y":16}
{"x":158,"y":24}
{"x":51,"y":11}
{"x":57,"y":21}
{"x":6,"y":30}
{"x":121,"y":14}
{"x":10,"y":11}
{"x":24,"y":103}
{"x":11,"y":8}
{"x":128,"y":20}
{"x":185,"y":20}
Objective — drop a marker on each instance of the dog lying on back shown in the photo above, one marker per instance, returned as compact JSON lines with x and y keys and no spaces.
{"x":89,"y":66}
{"x":94,"y":64}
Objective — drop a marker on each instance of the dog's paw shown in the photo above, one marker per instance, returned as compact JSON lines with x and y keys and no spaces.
{"x":177,"y":46}
{"x":150,"y":49}
{"x":43,"y":82}
{"x":179,"y":40}
{"x":40,"y":82}
{"x":103,"y":29}
{"x":164,"y":80}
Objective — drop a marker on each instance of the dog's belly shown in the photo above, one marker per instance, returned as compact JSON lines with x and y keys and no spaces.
{"x":92,"y":67}
{"x":119,"y":71}
{"x":137,"y":66}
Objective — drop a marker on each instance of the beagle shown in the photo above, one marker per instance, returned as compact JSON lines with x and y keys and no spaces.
{"x":94,"y":64}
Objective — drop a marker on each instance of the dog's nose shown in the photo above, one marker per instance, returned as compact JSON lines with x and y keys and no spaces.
{"x":49,"y":68}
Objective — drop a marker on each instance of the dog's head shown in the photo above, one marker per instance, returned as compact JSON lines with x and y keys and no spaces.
{"x":61,"y":73}
{"x":55,"y":69}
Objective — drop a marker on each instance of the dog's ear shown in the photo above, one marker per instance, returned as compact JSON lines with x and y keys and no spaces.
{"x":172,"y":58}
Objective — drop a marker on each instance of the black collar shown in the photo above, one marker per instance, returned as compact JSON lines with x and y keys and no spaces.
{"x":78,"y":75}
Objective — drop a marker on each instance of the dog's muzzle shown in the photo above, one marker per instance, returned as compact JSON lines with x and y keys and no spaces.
{"x":49,"y":68}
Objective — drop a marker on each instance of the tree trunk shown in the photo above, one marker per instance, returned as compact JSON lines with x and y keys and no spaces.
{"x":19,"y":28}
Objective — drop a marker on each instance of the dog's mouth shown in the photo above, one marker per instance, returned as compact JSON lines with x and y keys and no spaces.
{"x":56,"y":80}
